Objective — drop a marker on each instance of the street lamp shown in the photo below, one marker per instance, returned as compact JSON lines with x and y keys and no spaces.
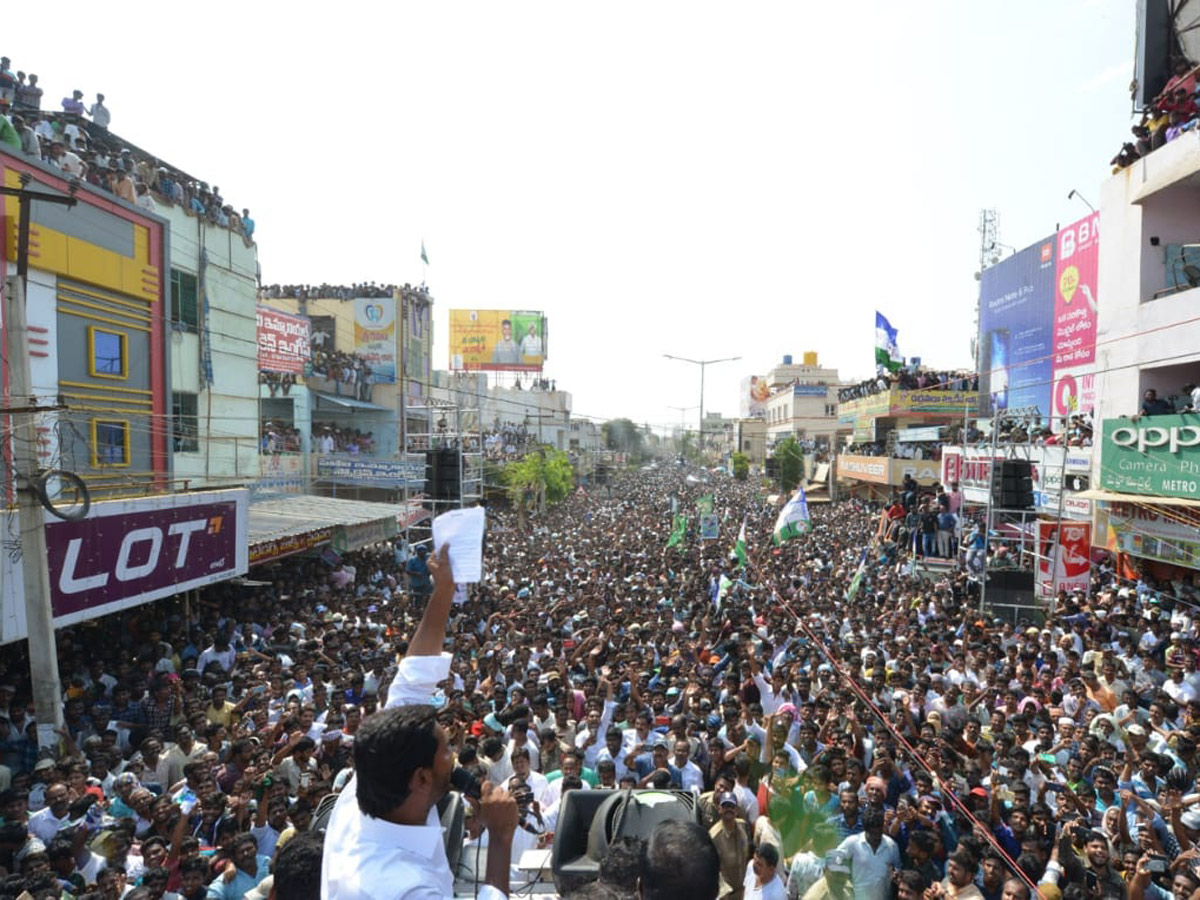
{"x":702,"y":363}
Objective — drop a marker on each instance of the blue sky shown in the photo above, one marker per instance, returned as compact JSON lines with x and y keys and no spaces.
{"x":698,"y":179}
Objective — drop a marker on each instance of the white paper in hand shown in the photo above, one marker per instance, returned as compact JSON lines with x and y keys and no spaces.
{"x":463,"y":530}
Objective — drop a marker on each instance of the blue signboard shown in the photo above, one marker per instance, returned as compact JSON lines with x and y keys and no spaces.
{"x":809,"y":390}
{"x":375,"y":472}
{"x":1016,"y":331}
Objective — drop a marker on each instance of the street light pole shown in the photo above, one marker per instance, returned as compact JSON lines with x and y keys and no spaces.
{"x":702,"y":363}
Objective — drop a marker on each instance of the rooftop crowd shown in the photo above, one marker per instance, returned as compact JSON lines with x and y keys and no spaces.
{"x":866,"y":736}
{"x":77,"y":140}
{"x":335,"y":291}
{"x":1173,"y":113}
{"x":905,"y":380}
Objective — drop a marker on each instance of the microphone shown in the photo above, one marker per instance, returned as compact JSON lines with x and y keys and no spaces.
{"x":465,"y":783}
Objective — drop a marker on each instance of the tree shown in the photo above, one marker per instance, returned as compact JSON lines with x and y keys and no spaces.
{"x":740,"y":464}
{"x":546,"y":472}
{"x":625,"y":437}
{"x":790,"y":457}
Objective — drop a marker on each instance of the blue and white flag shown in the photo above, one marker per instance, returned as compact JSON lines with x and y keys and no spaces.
{"x":793,"y":520}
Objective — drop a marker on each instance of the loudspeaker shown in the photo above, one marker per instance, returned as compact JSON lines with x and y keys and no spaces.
{"x":1010,"y":587}
{"x":1152,"y":53}
{"x":441,"y":474}
{"x":1012,"y":484}
{"x":589,"y":822}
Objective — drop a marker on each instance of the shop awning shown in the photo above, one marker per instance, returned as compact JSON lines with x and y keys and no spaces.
{"x":1115,"y":497}
{"x":350,"y":402}
{"x":282,"y":526}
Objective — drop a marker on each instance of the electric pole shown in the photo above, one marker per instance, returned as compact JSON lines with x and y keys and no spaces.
{"x":22,"y":413}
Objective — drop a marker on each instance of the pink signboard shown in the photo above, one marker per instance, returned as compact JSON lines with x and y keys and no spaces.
{"x":1075,"y":297}
{"x":1064,"y":557}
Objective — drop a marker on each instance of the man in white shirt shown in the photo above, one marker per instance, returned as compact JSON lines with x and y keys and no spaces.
{"x":44,"y":823}
{"x":762,"y":876}
{"x":384,"y":837}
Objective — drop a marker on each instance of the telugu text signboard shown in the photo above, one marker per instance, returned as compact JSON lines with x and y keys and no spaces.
{"x":378,"y":472}
{"x":1156,"y":456}
{"x":375,"y":336}
{"x":491,"y":340}
{"x":284,"y":341}
{"x":1075,"y":296}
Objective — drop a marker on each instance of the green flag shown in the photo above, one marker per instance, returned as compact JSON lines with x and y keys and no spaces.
{"x":793,"y":519}
{"x":705,"y":504}
{"x":739,"y":549}
{"x":677,"y":531}
{"x":856,"y":581}
{"x":424,"y":255}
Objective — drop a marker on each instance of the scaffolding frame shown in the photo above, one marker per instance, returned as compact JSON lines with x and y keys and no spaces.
{"x":443,"y":426}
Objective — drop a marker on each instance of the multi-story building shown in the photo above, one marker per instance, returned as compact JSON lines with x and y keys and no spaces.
{"x":1145,"y":477}
{"x":799,"y":400}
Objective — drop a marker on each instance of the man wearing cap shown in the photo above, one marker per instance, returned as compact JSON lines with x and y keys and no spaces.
{"x":733,"y":846}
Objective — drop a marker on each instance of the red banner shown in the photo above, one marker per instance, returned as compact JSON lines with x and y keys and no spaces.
{"x":1064,"y":557}
{"x":283,"y":341}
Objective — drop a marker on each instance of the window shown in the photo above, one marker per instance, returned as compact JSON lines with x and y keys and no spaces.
{"x":107,"y":356}
{"x":185,"y":301}
{"x":110,"y":442}
{"x":185,"y":423}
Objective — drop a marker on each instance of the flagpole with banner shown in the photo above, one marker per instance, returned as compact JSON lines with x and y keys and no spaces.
{"x":424,"y":261}
{"x":793,"y":520}
{"x":887,"y":351}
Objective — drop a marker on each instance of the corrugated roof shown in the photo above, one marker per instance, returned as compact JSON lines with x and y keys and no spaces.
{"x":281,"y":517}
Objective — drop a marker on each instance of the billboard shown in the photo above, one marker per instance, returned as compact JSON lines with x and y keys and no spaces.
{"x":129,"y":552}
{"x":493,"y":340}
{"x":755,"y":393}
{"x":1016,"y":330}
{"x":1157,"y":456}
{"x":1165,"y":534}
{"x":378,"y":472}
{"x":375,"y":336}
{"x":1064,"y":557}
{"x":284,"y":341}
{"x":1075,"y":293}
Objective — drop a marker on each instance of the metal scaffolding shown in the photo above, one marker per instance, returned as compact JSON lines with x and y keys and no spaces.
{"x":447,"y":431}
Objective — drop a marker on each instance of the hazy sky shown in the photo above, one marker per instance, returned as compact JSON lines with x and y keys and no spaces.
{"x":693,"y":178}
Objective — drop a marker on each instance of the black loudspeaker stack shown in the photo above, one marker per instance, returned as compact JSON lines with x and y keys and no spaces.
{"x":442,"y":475}
{"x":1012,"y":484}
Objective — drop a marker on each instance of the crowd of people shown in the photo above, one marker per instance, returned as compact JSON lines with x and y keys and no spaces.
{"x":911,"y":380}
{"x":78,"y":141}
{"x":349,"y":372}
{"x":506,"y":442}
{"x":849,"y":725}
{"x":1075,"y":430}
{"x":931,"y":450}
{"x":333,"y":291}
{"x":276,"y":436}
{"x":1172,"y":113}
{"x":329,"y":437}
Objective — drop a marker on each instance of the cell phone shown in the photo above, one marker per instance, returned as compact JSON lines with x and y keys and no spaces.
{"x":259,"y":689}
{"x":1156,"y":865}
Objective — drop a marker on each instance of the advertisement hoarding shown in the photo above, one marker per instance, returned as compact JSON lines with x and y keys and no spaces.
{"x":1016,"y":330}
{"x":1158,"y":456}
{"x":1165,"y":534}
{"x":494,"y":340}
{"x":284,"y":341}
{"x":971,"y":467}
{"x":378,"y":472}
{"x":375,"y":336}
{"x":1064,"y":557}
{"x":129,"y":552}
{"x":1075,"y":294}
{"x":754,"y":396}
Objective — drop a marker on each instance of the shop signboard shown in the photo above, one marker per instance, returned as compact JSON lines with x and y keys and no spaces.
{"x":1160,"y":533}
{"x":374,"y":472}
{"x":284,"y":341}
{"x":1156,"y":456}
{"x":128,"y":552}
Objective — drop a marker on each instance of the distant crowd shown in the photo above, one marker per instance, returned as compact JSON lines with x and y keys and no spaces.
{"x":335,"y":291}
{"x":328,"y":438}
{"x":904,"y":380}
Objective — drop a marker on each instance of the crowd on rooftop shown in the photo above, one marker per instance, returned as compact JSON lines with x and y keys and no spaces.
{"x":77,"y":140}
{"x":848,"y":726}
{"x":330,"y":437}
{"x":334,"y":291}
{"x":1172,"y":113}
{"x":906,"y":380}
